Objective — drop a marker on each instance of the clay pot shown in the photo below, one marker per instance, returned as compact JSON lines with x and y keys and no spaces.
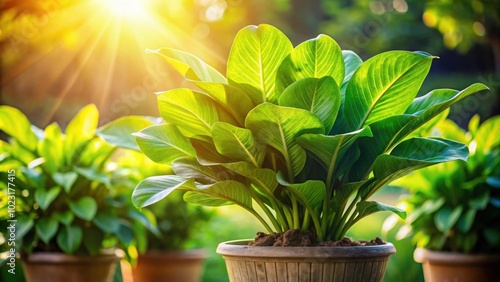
{"x":457,"y":267}
{"x":59,"y":267}
{"x":181,"y":266}
{"x":249,"y":263}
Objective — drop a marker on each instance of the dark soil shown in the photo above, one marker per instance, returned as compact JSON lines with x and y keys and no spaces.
{"x":300,"y":238}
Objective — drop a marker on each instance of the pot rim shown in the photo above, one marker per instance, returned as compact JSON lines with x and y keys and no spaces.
{"x":55,"y":258}
{"x":240,"y":248}
{"x":175,"y":254}
{"x":423,"y":255}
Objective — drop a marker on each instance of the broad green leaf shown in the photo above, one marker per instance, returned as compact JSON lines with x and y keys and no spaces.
{"x":193,"y":113}
{"x":384,"y":132}
{"x":66,"y":179}
{"x":384,"y":85}
{"x":85,"y":208}
{"x":365,"y":208}
{"x":279,"y":127}
{"x":50,"y":148}
{"x":207,"y":154}
{"x":263,"y":178}
{"x":155,"y":188}
{"x":45,"y":197}
{"x":253,"y":62}
{"x":81,"y":129}
{"x":446,"y":218}
{"x":315,"y":58}
{"x":164,"y":143}
{"x":237,"y":143}
{"x":352,"y":62}
{"x":189,"y":168}
{"x":319,"y":96}
{"x":107,"y":222}
{"x":418,"y":152}
{"x":189,"y":66}
{"x":210,"y":80}
{"x":46,"y":228}
{"x":69,"y":238}
{"x":310,"y":193}
{"x":328,"y":150}
{"x":119,"y":132}
{"x":16,"y":124}
{"x":413,"y":154}
{"x":232,"y":99}
{"x":221,"y":193}
{"x":428,"y":106}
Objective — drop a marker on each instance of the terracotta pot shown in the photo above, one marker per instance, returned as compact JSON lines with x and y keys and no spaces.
{"x":314,"y":264}
{"x":181,"y":266}
{"x":55,"y":267}
{"x":457,"y":267}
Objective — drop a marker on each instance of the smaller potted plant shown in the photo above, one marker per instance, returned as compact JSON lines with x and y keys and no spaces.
{"x":168,"y":251}
{"x":454,"y":208}
{"x":69,"y":218}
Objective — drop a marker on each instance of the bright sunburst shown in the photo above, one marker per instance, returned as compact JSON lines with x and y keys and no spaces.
{"x":126,"y":8}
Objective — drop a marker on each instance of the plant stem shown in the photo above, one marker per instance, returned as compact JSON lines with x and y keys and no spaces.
{"x":339,"y":232}
{"x":266,"y":210}
{"x":295,"y":209}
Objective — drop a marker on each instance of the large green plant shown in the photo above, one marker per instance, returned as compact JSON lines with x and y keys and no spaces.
{"x":307,"y":134}
{"x":66,"y":198}
{"x":455,"y":206}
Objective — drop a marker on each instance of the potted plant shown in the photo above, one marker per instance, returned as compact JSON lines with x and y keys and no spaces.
{"x":305,"y":135}
{"x":67,"y":216}
{"x":454,"y":207}
{"x":168,"y":251}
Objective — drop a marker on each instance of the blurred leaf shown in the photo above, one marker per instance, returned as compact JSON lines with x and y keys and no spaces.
{"x":119,"y":132}
{"x":46,"y":228}
{"x":69,"y":238}
{"x":107,"y":222}
{"x":446,"y":218}
{"x":81,"y":129}
{"x":66,"y":180}
{"x":85,"y":208}
{"x":44,"y":198}
{"x":16,"y":124}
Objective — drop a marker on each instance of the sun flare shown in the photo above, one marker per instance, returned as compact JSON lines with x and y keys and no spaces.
{"x":126,"y":8}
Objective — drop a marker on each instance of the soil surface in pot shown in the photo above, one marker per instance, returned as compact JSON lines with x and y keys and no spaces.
{"x":300,"y":238}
